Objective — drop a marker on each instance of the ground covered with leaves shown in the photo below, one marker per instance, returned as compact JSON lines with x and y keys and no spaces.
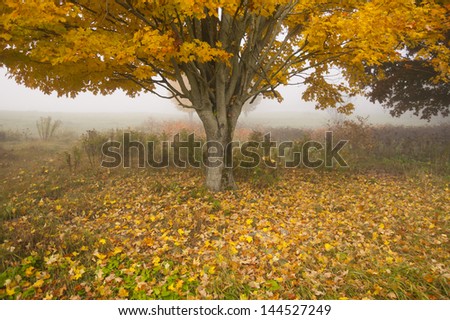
{"x":140,"y":234}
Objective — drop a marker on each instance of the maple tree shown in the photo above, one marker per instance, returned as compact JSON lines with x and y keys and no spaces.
{"x":229,"y":52}
{"x":411,"y":84}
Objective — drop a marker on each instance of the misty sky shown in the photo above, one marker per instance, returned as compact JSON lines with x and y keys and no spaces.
{"x":20,"y":98}
{"x":17,"y":97}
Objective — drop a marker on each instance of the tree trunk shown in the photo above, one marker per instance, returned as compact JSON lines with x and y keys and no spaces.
{"x":219,"y":171}
{"x":220,"y":179}
{"x":219,"y":111}
{"x":214,"y":178}
{"x":228,"y":182}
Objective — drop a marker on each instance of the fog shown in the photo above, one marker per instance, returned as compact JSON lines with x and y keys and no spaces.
{"x":291,"y":112}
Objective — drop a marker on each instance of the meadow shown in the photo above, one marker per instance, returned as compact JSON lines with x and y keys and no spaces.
{"x":378,"y":229}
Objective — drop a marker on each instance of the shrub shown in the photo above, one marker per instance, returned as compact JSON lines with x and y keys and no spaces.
{"x":92,"y":142}
{"x":47,"y":127}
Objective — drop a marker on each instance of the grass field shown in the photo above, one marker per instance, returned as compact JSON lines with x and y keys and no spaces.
{"x":378,"y":230}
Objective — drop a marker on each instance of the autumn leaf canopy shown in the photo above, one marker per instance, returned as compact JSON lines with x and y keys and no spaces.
{"x":140,"y":45}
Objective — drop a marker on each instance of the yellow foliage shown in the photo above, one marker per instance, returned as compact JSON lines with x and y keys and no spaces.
{"x":10,"y":292}
{"x":132,"y":46}
{"x":156,"y":261}
{"x":39,"y":283}
{"x":123,"y":293}
{"x":30,"y":271}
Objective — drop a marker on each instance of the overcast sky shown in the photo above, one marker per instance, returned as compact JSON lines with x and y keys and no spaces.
{"x":20,"y":98}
